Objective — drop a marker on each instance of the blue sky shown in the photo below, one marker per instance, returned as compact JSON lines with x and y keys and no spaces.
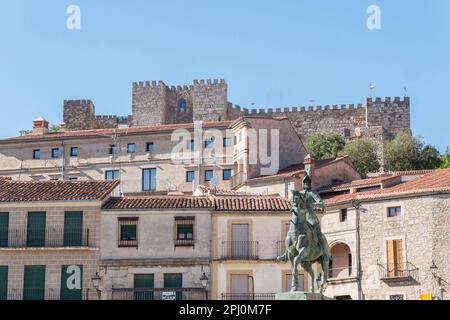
{"x":272,"y":53}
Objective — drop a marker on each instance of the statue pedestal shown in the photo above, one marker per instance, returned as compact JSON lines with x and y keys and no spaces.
{"x":299,"y":295}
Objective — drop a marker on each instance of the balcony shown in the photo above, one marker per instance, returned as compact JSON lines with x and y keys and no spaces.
{"x":248,"y":296}
{"x":48,"y":238}
{"x":240,"y":250}
{"x":45,"y":294}
{"x":395,"y":272}
{"x":159,"y":294}
{"x":237,"y":180}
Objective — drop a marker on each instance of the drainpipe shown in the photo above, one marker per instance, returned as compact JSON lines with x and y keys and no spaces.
{"x":63,"y":159}
{"x":357,"y":206}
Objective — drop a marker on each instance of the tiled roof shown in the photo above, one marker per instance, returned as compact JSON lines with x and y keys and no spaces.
{"x":113,"y":131}
{"x":435,"y":182}
{"x":159,"y":202}
{"x":223,"y":192}
{"x":296,"y":169}
{"x":216,"y":203}
{"x":359,"y":183}
{"x":14,"y":191}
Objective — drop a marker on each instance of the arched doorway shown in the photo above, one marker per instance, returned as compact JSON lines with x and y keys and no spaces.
{"x":341,"y":261}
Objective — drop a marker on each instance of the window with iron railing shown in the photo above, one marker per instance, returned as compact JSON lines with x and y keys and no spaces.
{"x":128,"y":232}
{"x":184,"y":231}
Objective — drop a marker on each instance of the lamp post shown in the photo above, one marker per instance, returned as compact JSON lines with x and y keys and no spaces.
{"x":96,"y":279}
{"x":433,"y":270}
{"x":204,"y":281}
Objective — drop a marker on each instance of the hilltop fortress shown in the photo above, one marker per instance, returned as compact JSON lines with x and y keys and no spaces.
{"x":155,"y":103}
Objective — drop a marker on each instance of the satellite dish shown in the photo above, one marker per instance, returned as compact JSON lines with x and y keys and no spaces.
{"x":215,"y":182}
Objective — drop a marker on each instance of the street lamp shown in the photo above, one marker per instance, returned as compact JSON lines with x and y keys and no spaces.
{"x":96,"y":279}
{"x":433,"y":270}
{"x":204,"y":281}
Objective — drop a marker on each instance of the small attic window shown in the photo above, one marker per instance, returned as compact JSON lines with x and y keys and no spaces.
{"x":182,"y":105}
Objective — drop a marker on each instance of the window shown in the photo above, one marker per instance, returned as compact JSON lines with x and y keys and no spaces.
{"x":239,"y":287}
{"x":128,"y":232}
{"x":174,"y":281}
{"x":150,"y":147}
{"x":55,"y":153}
{"x":74,"y":152}
{"x":112,"y":175}
{"x":394,"y":211}
{"x":73,"y":229}
{"x":209,"y":174}
{"x":184,"y":231}
{"x":227,"y":142}
{"x":209,"y":143}
{"x":34,"y":283}
{"x":131,"y":148}
{"x":4,"y":229}
{"x":394,"y":254}
{"x":71,"y":289}
{"x":36,"y":154}
{"x":36,"y":229}
{"x":190,"y":176}
{"x":112,"y":149}
{"x":191,"y":145}
{"x":143,"y":285}
{"x":182,"y":105}
{"x":343,"y":215}
{"x":226,"y":174}
{"x":149,"y":179}
{"x":3,"y":283}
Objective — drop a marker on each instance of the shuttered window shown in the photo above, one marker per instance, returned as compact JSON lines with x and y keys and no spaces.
{"x":394,"y":253}
{"x":36,"y":229}
{"x":239,"y":287}
{"x":143,"y":285}
{"x":71,"y":282}
{"x":184,"y":231}
{"x":301,"y":282}
{"x":174,"y":281}
{"x":240,"y":244}
{"x":4,"y":229}
{"x":3,"y":282}
{"x":34,"y":283}
{"x":128,"y":234}
{"x":73,"y":229}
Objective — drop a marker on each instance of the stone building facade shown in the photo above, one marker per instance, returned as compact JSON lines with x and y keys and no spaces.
{"x":155,"y":103}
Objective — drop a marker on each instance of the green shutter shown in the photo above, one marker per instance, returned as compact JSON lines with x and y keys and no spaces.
{"x":3,"y":282}
{"x":174,"y":281}
{"x":73,"y":229}
{"x":142,"y":282}
{"x":71,"y":282}
{"x":185,"y":231}
{"x":128,"y":232}
{"x":34,"y":283}
{"x":36,"y":229}
{"x":4,"y":229}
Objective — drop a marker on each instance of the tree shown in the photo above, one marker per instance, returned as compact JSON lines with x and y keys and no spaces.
{"x":431,"y":158}
{"x":53,"y":128}
{"x":403,"y":153}
{"x":363,"y":154}
{"x":445,"y":161}
{"x":325,"y":145}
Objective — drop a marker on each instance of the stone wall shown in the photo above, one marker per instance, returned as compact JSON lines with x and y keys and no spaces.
{"x":210,"y":100}
{"x":79,"y":114}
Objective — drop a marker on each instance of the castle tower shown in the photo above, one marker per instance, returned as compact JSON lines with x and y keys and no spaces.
{"x":79,"y":114}
{"x":149,"y":103}
{"x":210,"y":100}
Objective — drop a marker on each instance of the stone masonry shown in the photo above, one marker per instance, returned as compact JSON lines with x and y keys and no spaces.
{"x":155,"y":103}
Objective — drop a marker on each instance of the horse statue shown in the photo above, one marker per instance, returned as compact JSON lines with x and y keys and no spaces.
{"x":305,"y":242}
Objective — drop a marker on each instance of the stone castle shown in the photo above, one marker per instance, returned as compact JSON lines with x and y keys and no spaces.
{"x":155,"y":103}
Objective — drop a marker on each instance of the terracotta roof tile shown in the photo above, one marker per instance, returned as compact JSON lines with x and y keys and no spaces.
{"x":434,"y":182}
{"x":217,"y":203}
{"x":359,"y":183}
{"x":119,"y":131}
{"x":14,"y":191}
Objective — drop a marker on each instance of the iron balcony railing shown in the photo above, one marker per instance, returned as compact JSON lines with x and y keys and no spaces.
{"x":159,"y":294}
{"x":393,"y":271}
{"x":338,"y":273}
{"x":44,"y":294}
{"x":240,"y":250}
{"x":46,"y":238}
{"x":248,"y":296}
{"x":237,"y":179}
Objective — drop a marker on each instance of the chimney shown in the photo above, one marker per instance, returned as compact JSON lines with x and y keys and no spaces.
{"x":309,"y":163}
{"x":40,"y":126}
{"x":62,"y":127}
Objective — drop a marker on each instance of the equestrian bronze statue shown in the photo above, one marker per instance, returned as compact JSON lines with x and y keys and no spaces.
{"x":305,"y":242}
